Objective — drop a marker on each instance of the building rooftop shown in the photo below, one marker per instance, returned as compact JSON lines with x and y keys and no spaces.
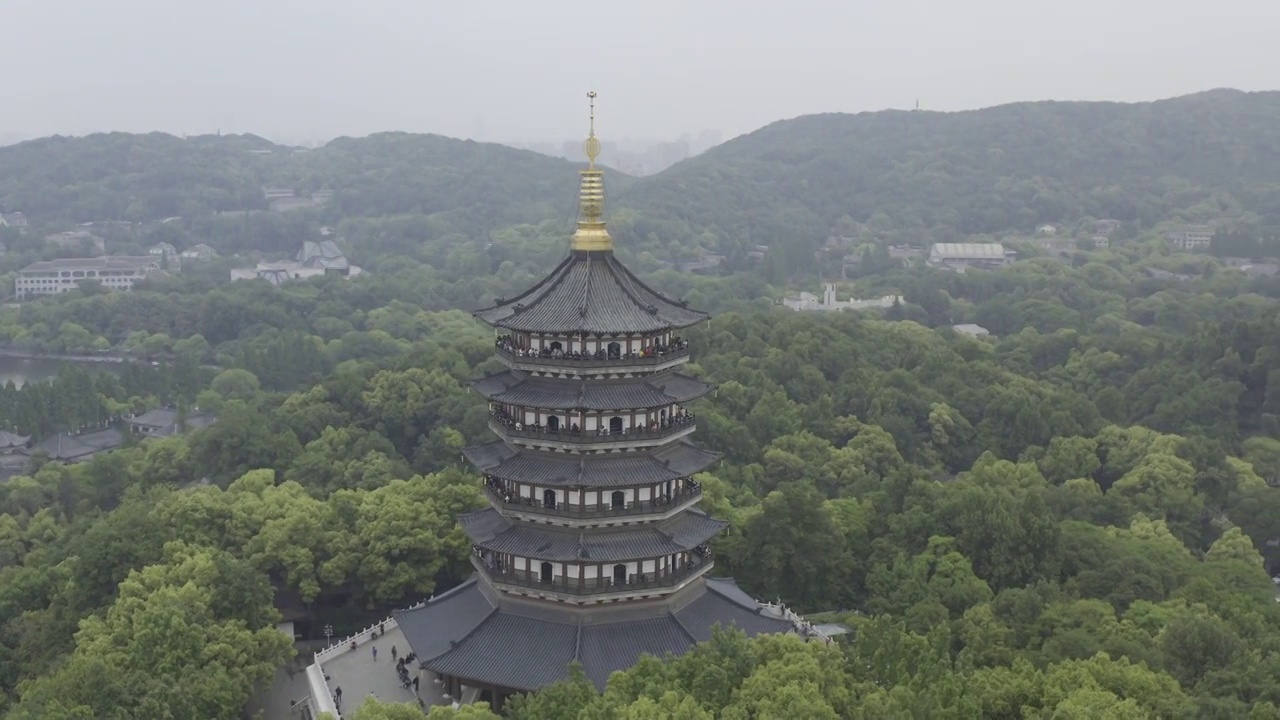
{"x":9,"y":440}
{"x":500,"y":460}
{"x":590,"y":292}
{"x":75,"y":448}
{"x":517,"y":388}
{"x":971,"y":330}
{"x":472,"y":632}
{"x":489,"y":529}
{"x":322,"y":254}
{"x":166,"y":420}
{"x":106,"y":262}
{"x":968,"y":251}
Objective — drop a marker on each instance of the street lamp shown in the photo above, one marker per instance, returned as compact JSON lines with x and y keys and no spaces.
{"x":328,"y":633}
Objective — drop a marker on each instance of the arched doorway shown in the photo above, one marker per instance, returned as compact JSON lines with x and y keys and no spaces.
{"x":615,"y":426}
{"x":618,"y":500}
{"x":549,"y":499}
{"x":615,"y":351}
{"x":556,"y":346}
{"x":619,"y":574}
{"x":553,"y":423}
{"x":546,"y":572}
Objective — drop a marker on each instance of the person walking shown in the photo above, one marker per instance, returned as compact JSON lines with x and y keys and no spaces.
{"x":393,"y":652}
{"x":375,"y":653}
{"x":337,"y":693}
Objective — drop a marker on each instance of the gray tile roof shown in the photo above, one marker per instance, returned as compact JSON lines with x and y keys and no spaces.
{"x":106,"y":262}
{"x":500,"y":460}
{"x":590,"y":292}
{"x":517,"y":388}
{"x":489,"y":529}
{"x":475,"y":634}
{"x":65,"y":446}
{"x":10,"y":440}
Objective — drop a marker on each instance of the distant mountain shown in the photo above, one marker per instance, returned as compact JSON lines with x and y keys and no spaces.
{"x":935,"y":175}
{"x":120,"y":176}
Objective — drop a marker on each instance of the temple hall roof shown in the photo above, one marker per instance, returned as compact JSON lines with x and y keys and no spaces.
{"x":500,"y":460}
{"x":490,"y":530}
{"x":590,"y":292}
{"x":517,"y":388}
{"x":471,"y":632}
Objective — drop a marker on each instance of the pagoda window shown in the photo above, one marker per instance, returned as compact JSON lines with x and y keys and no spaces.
{"x":546,"y":573}
{"x":549,"y":499}
{"x":618,"y":500}
{"x":615,"y":351}
{"x":615,"y":426}
{"x":619,"y":574}
{"x":553,"y":423}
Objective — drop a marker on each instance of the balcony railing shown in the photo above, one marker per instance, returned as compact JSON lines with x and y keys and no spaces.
{"x":690,"y":494}
{"x":503,"y":425}
{"x":513,"y":355}
{"x":698,"y":562}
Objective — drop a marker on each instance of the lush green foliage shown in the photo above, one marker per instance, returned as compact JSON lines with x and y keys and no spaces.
{"x":1069,"y":519}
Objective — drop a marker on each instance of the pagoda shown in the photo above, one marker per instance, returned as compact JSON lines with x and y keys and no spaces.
{"x":592,"y":549}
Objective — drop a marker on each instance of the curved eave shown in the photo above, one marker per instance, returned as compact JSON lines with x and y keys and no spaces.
{"x":593,"y":293}
{"x":513,"y":387}
{"x":503,"y":461}
{"x":490,"y":530}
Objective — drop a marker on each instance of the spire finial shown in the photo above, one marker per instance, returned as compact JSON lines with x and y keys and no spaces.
{"x":592,"y":145}
{"x":591,"y":235}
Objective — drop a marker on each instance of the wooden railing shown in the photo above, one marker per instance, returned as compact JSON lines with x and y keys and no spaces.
{"x":693,"y":493}
{"x":504,"y":426}
{"x":593,"y":362}
{"x":597,"y":586}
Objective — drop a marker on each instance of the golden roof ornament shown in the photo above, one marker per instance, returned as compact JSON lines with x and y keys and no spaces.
{"x":591,"y":234}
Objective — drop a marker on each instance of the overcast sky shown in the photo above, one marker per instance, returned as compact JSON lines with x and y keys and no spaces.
{"x":518,"y":70}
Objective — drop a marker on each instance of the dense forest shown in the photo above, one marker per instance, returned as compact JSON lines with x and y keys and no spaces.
{"x":1074,"y":517}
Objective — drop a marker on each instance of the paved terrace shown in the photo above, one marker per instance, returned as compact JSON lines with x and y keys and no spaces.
{"x":360,"y":677}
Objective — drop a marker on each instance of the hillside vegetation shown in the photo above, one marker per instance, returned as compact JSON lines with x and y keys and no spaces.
{"x":941,"y":176}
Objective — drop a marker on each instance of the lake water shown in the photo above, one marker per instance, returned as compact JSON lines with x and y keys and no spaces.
{"x":22,"y":370}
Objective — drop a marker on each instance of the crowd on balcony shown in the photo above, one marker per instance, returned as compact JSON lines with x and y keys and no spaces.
{"x":657,"y":350}
{"x":677,"y":419}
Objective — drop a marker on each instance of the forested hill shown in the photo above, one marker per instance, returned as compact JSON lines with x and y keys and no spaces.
{"x":983,"y":171}
{"x":121,"y":176}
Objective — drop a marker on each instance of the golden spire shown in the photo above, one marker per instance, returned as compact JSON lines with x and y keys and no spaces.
{"x":591,"y":233}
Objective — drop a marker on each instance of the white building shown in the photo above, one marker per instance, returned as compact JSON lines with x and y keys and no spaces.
{"x":1191,"y":237}
{"x":961,"y":256}
{"x":809,"y":301}
{"x":51,"y":277}
{"x":199,"y":252}
{"x":13,"y":220}
{"x":974,"y":331}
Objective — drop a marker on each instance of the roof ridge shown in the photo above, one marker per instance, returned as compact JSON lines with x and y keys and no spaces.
{"x":623,"y":282}
{"x":682,"y":626}
{"x":586,"y":292}
{"x":577,"y":641}
{"x":555,"y":273}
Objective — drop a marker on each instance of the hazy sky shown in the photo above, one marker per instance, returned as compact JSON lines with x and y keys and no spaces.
{"x":508,"y":70}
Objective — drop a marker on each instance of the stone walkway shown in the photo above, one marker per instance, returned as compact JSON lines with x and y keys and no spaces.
{"x":360,"y":677}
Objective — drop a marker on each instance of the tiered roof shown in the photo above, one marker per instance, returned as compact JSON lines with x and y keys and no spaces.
{"x":591,"y":292}
{"x":503,"y":461}
{"x":517,"y":388}
{"x":471,"y":632}
{"x":491,"y":530}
